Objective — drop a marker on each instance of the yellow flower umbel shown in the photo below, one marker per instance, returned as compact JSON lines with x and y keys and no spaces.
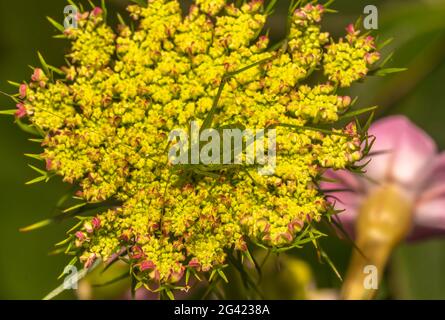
{"x":105,"y":128}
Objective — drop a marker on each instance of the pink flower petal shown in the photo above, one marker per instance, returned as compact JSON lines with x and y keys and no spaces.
{"x":408,"y":150}
{"x":433,"y":181}
{"x":429,"y":218}
{"x":346,"y":193}
{"x":430,"y":205}
{"x":343,"y":179}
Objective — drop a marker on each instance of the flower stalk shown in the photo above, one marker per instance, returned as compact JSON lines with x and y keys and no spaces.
{"x":384,"y":221}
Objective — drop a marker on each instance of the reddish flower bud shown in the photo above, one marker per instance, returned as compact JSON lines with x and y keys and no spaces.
{"x":262,"y":43}
{"x":263,"y":226}
{"x":372,"y":58}
{"x":193,"y":9}
{"x":80,"y":238}
{"x":97,"y":11}
{"x":147,"y":265}
{"x":37,"y":75}
{"x":90,"y":260}
{"x":350,"y":29}
{"x":351,"y":129}
{"x":21,"y":111}
{"x":194,"y":263}
{"x":241,"y":244}
{"x":88,"y":227}
{"x":345,"y":101}
{"x":126,"y":235}
{"x":301,"y":14}
{"x":82,"y":16}
{"x":80,"y":235}
{"x":295,"y":226}
{"x":49,"y":164}
{"x":137,"y":252}
{"x":287,"y":236}
{"x":206,"y":268}
{"x":96,"y":223}
{"x":22,"y":91}
{"x":370,"y":41}
{"x":176,"y":275}
{"x":255,"y":5}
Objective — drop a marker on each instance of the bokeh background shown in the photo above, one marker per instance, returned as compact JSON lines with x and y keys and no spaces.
{"x":418,"y":28}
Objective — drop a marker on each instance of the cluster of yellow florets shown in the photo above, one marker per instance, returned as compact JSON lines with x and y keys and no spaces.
{"x":349,"y":60}
{"x":107,"y":123}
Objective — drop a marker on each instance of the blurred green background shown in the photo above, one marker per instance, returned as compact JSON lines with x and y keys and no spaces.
{"x":418,"y":29}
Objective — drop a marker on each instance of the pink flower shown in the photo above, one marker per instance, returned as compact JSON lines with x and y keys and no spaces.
{"x":407,"y":158}
{"x":401,"y":196}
